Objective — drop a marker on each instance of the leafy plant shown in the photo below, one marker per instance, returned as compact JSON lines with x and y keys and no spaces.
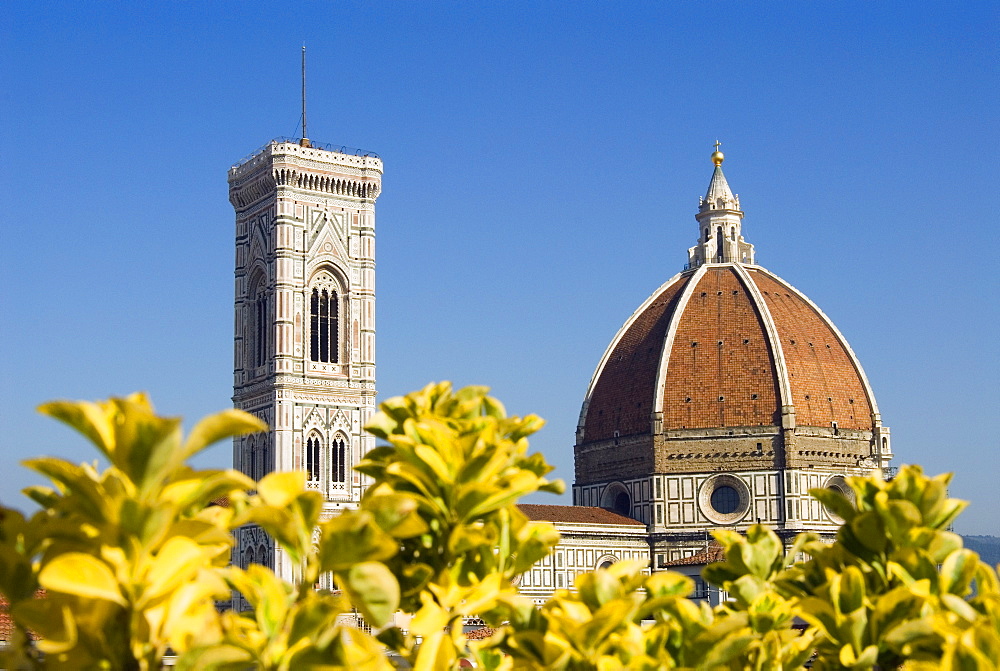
{"x":130,"y":557}
{"x":134,"y":559}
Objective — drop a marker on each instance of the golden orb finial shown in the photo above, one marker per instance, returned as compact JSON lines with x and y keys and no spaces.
{"x":718,"y":157}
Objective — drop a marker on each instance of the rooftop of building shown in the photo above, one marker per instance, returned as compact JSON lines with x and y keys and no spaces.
{"x":574,"y":514}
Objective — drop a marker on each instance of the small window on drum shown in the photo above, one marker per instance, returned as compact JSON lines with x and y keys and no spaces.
{"x":725,"y":500}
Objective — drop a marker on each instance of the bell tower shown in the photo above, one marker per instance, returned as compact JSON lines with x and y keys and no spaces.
{"x":304,"y":341}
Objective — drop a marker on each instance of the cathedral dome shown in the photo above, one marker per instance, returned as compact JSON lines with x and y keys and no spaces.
{"x":726,"y":367}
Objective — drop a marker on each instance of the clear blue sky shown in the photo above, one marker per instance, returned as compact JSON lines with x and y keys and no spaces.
{"x":543,"y":164}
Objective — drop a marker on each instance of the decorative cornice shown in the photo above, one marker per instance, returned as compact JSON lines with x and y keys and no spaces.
{"x":301,"y":196}
{"x":363,"y":189}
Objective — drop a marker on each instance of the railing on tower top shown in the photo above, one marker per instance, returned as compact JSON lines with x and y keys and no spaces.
{"x":341,"y":149}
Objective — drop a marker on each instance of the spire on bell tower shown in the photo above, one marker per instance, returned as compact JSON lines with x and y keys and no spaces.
{"x":719,"y":217}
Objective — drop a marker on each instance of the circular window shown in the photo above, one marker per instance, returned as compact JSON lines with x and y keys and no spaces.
{"x":837,"y":483}
{"x":724,"y":498}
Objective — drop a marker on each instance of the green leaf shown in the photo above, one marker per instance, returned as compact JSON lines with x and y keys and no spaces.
{"x":668,"y":584}
{"x":373,"y":590}
{"x":597,"y":588}
{"x":958,"y":570}
{"x":82,"y":575}
{"x":221,"y":657}
{"x":397,"y":514}
{"x":79,"y":481}
{"x":225,"y":424}
{"x":727,"y":649}
{"x":869,"y":530}
{"x":895,"y":607}
{"x":177,"y":562}
{"x":52,"y":621}
{"x":280,"y":488}
{"x":90,"y":419}
{"x":432,"y":459}
{"x":835,"y":500}
{"x":352,"y":538}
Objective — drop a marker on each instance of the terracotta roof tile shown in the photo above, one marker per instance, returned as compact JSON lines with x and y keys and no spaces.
{"x":575,"y":514}
{"x":722,"y":369}
{"x":714,"y":553}
{"x":721,"y":372}
{"x":480,"y":634}
{"x":6,"y":623}
{"x":826,"y":387}
{"x":622,"y":399}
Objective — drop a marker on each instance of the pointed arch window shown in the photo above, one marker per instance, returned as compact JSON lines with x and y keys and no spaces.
{"x":257,"y":457}
{"x":250,"y":468}
{"x":260,"y":328}
{"x":313,"y":458}
{"x":338,"y":457}
{"x":324,"y":344}
{"x":256,"y":322}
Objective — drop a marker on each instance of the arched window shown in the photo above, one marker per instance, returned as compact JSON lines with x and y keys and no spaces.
{"x":623,"y":504}
{"x":324,"y":344}
{"x":250,"y":467}
{"x":266,"y":458}
{"x":260,"y":329}
{"x":257,"y":457}
{"x":312,"y":458}
{"x":338,"y":457}
{"x":719,"y":238}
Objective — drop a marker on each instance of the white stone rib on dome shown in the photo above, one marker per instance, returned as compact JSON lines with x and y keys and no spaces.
{"x":840,"y":337}
{"x":614,"y":345}
{"x":668,"y":341}
{"x":774,"y":339}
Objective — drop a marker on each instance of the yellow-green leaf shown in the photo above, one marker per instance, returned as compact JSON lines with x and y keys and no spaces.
{"x":177,"y":562}
{"x":90,"y":419}
{"x":82,"y":575}
{"x":225,"y":424}
{"x":373,"y":590}
{"x":280,"y":488}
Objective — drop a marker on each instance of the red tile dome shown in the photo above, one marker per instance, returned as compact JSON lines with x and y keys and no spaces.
{"x":726,"y":350}
{"x":726,"y":346}
{"x":727,"y":367}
